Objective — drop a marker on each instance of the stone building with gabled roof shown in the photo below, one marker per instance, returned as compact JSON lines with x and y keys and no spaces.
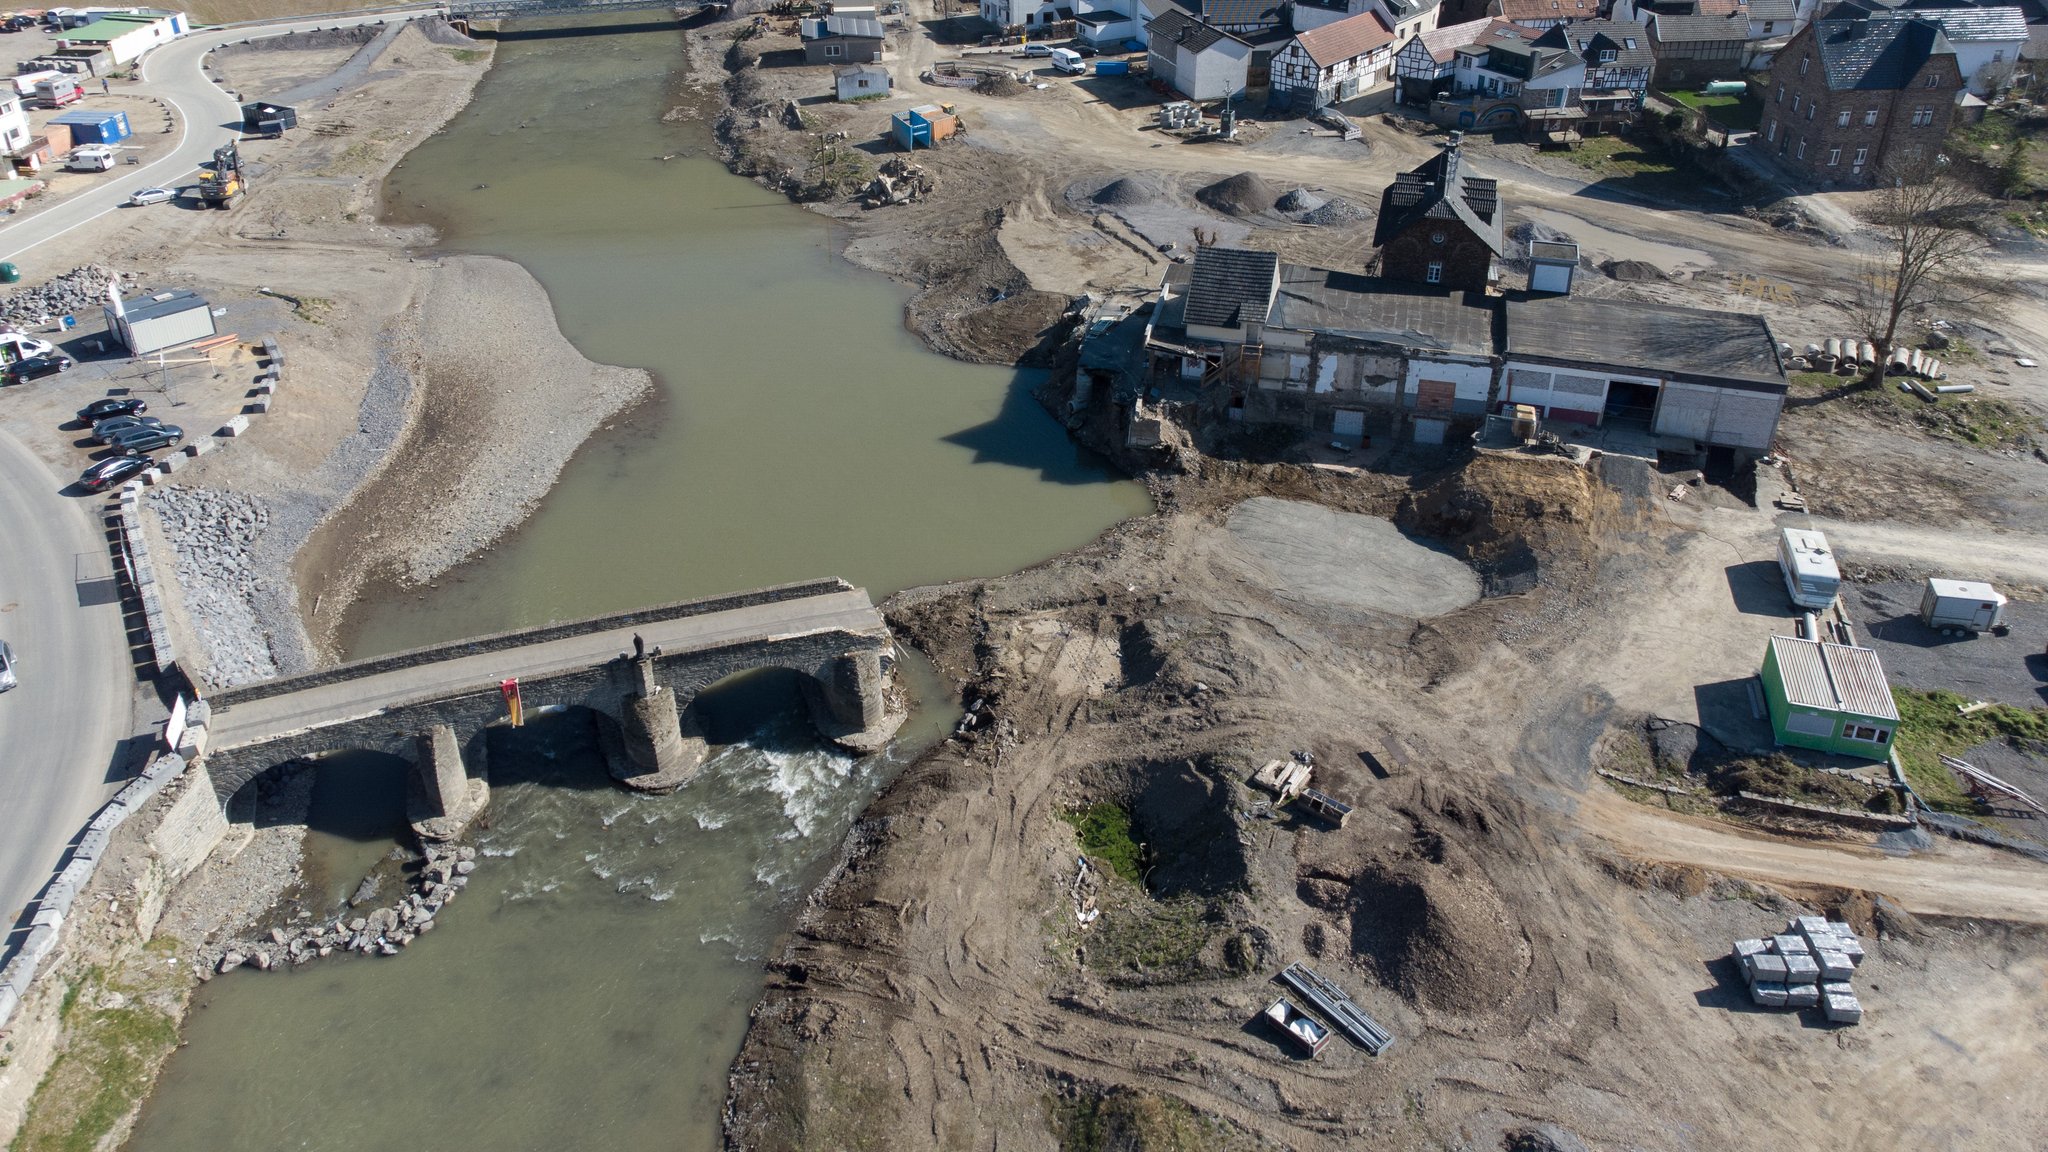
{"x":1440,"y":225}
{"x":1849,"y":97}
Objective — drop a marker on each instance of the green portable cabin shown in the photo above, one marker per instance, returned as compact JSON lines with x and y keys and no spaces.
{"x":1829,"y":697}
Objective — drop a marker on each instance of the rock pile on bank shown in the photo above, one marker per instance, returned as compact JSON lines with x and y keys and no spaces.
{"x":212,"y":534}
{"x":75,"y":293}
{"x":382,"y":932}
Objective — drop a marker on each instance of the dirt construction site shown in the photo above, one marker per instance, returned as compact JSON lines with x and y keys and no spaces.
{"x":1060,"y":928}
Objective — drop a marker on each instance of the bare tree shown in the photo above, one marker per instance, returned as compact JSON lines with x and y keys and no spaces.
{"x":1931,"y":222}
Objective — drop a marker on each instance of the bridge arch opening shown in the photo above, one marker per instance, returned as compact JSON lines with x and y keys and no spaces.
{"x":351,"y":804}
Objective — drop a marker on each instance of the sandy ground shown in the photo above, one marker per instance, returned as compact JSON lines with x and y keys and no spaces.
{"x":1543,"y":950}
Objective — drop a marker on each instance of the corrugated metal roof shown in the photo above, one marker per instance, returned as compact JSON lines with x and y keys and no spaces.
{"x":162,"y":304}
{"x":1834,"y":677}
{"x":1385,"y":311}
{"x":1714,"y":347}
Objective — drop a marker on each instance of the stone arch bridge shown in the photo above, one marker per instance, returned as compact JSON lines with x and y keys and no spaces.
{"x":435,"y":705}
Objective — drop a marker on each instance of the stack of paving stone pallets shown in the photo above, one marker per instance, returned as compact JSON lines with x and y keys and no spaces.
{"x":1808,"y":966}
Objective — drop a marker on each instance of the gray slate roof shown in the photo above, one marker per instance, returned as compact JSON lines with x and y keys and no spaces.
{"x":1629,"y":40}
{"x":1440,"y":189}
{"x":1700,"y":29}
{"x":1773,"y":9}
{"x":1711,"y":347}
{"x":1176,"y":27}
{"x":1231,"y":286}
{"x":1365,"y":308}
{"x":1973,"y":23}
{"x":1880,"y":54}
{"x":1242,"y":11}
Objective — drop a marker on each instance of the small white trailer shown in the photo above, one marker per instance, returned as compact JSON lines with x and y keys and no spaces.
{"x":1967,"y":606}
{"x":1811,"y":578}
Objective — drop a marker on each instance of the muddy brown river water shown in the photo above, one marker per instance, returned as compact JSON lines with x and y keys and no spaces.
{"x":592,"y":987}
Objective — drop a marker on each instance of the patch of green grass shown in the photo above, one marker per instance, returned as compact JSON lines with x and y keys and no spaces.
{"x":107,"y":1066}
{"x":1148,"y":941}
{"x":1620,"y":156}
{"x":468,"y":55}
{"x":1930,"y":728}
{"x":1736,"y":112}
{"x":1105,"y":831}
{"x":1817,"y":381}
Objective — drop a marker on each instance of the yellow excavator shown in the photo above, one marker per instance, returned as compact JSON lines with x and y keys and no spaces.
{"x":221,"y":183}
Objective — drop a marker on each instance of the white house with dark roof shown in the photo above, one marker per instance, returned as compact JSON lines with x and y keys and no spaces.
{"x":1200,"y":61}
{"x":1427,"y":65}
{"x":1333,"y":62}
{"x":1987,"y":41}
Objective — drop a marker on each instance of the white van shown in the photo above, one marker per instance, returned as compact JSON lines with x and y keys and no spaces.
{"x":1811,"y":578}
{"x":1068,"y":61}
{"x":20,"y":346}
{"x":90,"y":158}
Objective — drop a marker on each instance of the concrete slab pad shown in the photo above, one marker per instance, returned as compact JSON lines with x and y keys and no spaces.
{"x":1319,"y":555}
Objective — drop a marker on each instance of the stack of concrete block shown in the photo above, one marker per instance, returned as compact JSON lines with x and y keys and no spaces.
{"x":1806,"y":966}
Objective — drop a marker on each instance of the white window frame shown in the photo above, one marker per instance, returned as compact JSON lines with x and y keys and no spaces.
{"x":1433,"y":273}
{"x":1870,"y":117}
{"x":1862,"y":155}
{"x":1802,"y":149}
{"x":1842,"y":118}
{"x":1834,"y":157}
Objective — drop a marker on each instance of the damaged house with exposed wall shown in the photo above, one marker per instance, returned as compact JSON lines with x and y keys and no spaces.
{"x":1255,"y":341}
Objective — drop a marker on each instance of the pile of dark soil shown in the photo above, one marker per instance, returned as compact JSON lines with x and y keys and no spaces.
{"x":1438,"y":933}
{"x":1337,"y":210}
{"x":1128,"y":190}
{"x":1245,"y":194}
{"x":1634,"y":271}
{"x":1500,"y":517}
{"x":1000,"y":84}
{"x":1299,"y":200}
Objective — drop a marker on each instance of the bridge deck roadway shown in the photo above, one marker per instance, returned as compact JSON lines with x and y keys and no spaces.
{"x":255,"y":721}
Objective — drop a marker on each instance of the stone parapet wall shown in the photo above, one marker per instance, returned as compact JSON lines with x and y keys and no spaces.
{"x":602,"y":689}
{"x":501,"y":641}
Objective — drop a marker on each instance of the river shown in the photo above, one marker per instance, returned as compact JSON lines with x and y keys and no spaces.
{"x":591,"y":989}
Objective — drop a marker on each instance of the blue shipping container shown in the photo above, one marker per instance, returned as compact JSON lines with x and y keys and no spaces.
{"x":1112,"y":67}
{"x":94,"y":126}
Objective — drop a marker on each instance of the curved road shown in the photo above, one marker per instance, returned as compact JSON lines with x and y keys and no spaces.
{"x":207,"y":119}
{"x":60,"y":728}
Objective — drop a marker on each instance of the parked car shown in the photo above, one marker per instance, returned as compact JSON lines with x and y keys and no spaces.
{"x":104,"y":431}
{"x":7,"y":679}
{"x":112,"y":471}
{"x":21,"y":346}
{"x":152,"y":196}
{"x":132,"y":441}
{"x":1038,"y":50}
{"x":17,"y":22}
{"x":100,"y":409}
{"x":35,"y":367}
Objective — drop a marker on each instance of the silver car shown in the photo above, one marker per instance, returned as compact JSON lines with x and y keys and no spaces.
{"x":6,"y":667}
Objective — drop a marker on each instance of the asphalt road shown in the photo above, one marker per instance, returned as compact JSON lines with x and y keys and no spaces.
{"x":207,"y":119}
{"x":59,"y":730}
{"x":326,"y":704}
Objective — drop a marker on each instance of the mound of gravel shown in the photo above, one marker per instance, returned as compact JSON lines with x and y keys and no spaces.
{"x":1337,"y":210}
{"x":1531,"y":232}
{"x":1299,"y":200}
{"x":1128,"y":190}
{"x":1636,"y":271}
{"x":77,"y":292}
{"x":1244,"y":194}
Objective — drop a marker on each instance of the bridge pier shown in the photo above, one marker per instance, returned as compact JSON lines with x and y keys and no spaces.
{"x":443,"y":799}
{"x":850,"y":702}
{"x":658,"y":754}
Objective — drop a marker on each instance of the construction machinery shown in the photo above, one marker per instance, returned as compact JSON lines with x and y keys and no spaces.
{"x":221,"y":183}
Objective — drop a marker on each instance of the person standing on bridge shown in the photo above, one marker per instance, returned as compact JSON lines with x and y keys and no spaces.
{"x":639,"y":647}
